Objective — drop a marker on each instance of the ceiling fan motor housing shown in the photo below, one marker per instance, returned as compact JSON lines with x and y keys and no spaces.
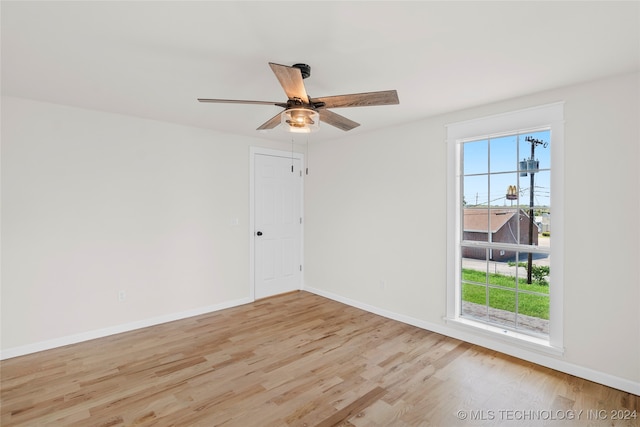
{"x":304,"y":69}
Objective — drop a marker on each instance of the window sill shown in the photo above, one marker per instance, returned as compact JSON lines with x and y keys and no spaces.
{"x":505,"y":335}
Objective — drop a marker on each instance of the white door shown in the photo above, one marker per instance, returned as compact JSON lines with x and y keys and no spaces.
{"x":277,"y":222}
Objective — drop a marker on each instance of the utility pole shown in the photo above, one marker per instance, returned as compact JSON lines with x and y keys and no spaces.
{"x":532,"y":166}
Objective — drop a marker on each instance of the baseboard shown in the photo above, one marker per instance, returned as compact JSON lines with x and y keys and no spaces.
{"x":557,"y":364}
{"x":112,"y":330}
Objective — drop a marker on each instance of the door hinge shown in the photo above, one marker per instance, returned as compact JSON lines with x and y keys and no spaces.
{"x":300,"y":220}
{"x":301,"y":172}
{"x":300,"y":267}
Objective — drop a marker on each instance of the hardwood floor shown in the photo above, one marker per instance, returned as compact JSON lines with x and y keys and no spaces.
{"x":295,"y":360}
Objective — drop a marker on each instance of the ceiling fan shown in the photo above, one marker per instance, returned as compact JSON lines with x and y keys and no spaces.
{"x":302,"y":112}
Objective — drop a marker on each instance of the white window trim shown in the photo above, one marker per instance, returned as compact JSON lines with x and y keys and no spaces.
{"x":551,"y":116}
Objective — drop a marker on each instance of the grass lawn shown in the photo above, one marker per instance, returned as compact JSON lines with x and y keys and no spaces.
{"x":505,"y":299}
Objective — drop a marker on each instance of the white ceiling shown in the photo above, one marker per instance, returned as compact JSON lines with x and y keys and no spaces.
{"x":153,"y":59}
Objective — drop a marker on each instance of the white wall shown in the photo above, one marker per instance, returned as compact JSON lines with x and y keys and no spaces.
{"x":376,"y":212}
{"x":95,"y":203}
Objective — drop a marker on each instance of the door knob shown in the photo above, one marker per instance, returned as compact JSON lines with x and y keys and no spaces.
{"x":259,"y":233}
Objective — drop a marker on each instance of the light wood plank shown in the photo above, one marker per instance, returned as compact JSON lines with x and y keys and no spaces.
{"x":292,"y":360}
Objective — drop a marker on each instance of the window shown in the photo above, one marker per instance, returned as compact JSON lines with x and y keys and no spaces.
{"x":503,"y":178}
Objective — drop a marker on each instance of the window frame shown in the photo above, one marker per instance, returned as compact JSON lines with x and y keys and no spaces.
{"x":550,"y":116}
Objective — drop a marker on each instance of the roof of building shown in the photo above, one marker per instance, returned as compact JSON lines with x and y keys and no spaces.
{"x":477,"y":219}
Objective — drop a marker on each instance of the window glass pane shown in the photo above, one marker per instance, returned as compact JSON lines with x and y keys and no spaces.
{"x":506,"y":227}
{"x":542,"y":150}
{"x":474,"y":301}
{"x":476,"y":225}
{"x":503,"y":154}
{"x":539,"y":280}
{"x":541,"y":189}
{"x":539,"y":141}
{"x":475,"y":157}
{"x":533,"y":305}
{"x":475,"y":219}
{"x":476,"y":191}
{"x":502,"y":307}
{"x":528,"y":228}
{"x":501,"y":185}
{"x":543,"y":219}
{"x":474,"y":266}
{"x":502,"y":274}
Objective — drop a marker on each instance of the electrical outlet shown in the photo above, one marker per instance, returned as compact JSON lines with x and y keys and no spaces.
{"x":122,"y":295}
{"x":383,"y":285}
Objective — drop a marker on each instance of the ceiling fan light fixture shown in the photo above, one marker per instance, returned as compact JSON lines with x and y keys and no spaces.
{"x":300,"y":120}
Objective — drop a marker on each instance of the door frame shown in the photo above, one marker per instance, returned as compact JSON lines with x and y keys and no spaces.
{"x":253,"y":152}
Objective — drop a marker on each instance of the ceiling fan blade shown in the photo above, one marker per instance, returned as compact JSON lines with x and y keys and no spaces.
{"x":387,"y":97}
{"x":271,"y":123}
{"x":290,"y":79}
{"x":336,"y":120}
{"x":239,"y":101}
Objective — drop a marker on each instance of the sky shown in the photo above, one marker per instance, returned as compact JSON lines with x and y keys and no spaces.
{"x":490,"y":166}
